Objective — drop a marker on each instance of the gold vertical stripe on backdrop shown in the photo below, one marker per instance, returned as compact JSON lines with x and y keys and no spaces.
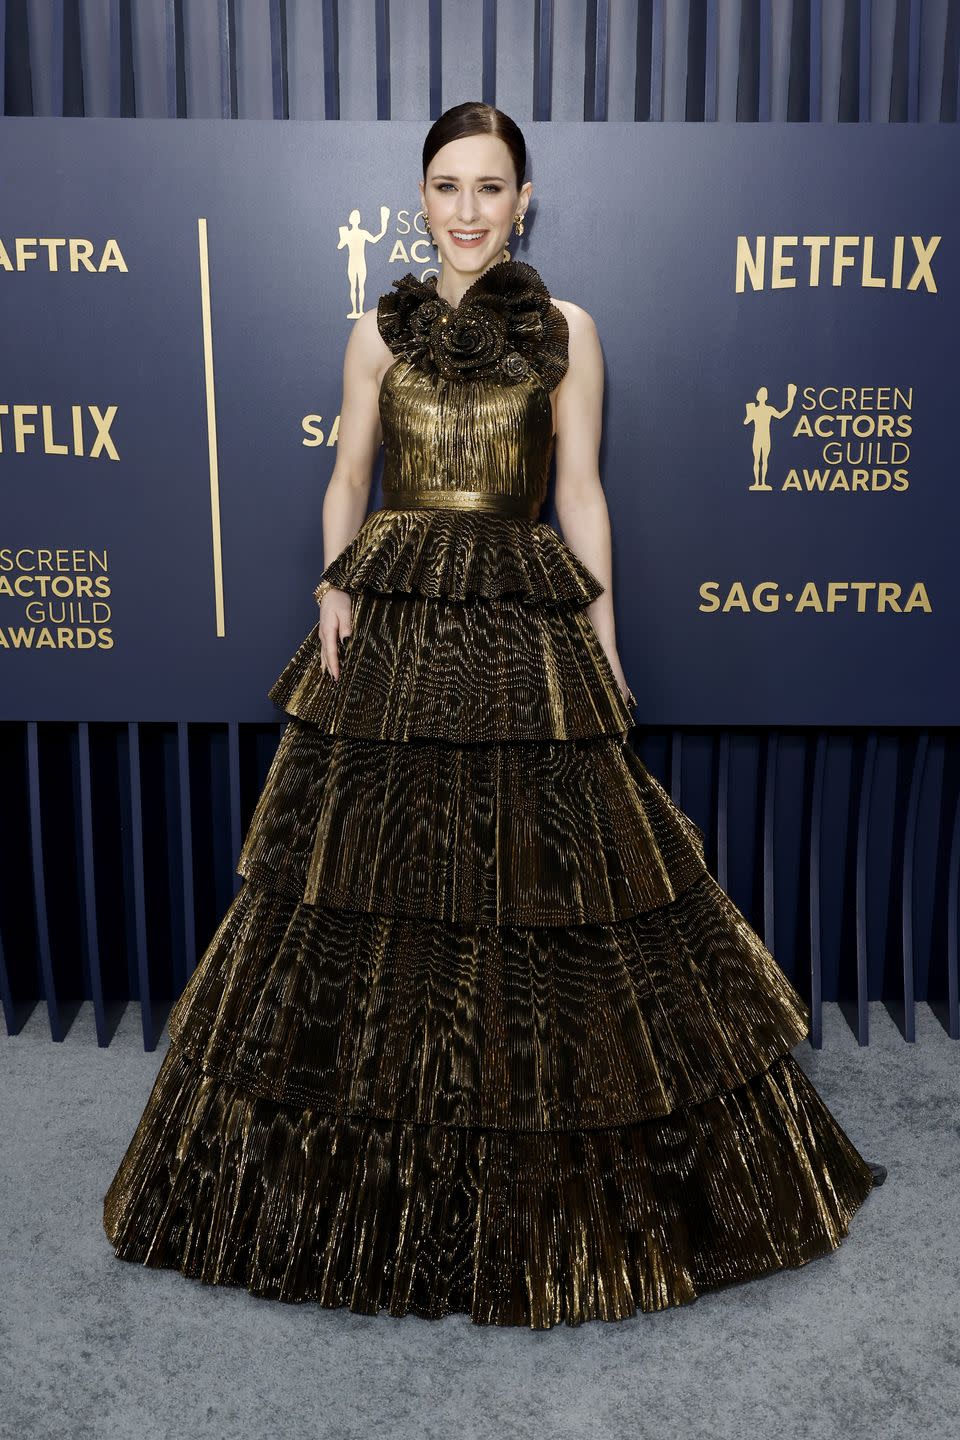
{"x":210,"y":391}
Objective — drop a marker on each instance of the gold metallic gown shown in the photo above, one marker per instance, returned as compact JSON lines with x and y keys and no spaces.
{"x":479,"y":1032}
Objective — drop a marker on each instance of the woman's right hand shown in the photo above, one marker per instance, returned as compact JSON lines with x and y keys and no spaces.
{"x":334,"y":625}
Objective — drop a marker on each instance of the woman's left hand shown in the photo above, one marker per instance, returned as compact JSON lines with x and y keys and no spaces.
{"x":629,"y":699}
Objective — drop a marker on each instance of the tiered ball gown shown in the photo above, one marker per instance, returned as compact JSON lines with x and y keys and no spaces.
{"x":479,"y":1032}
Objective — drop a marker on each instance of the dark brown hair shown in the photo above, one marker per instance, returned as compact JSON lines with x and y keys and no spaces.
{"x":476,"y":117}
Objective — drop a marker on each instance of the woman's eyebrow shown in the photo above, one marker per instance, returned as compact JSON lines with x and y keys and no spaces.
{"x":457,"y":177}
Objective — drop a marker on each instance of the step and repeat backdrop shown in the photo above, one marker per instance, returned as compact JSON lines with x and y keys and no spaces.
{"x":778,"y":310}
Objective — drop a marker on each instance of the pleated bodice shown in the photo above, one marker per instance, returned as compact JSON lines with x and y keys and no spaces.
{"x":465,"y":408}
{"x":481,"y":437}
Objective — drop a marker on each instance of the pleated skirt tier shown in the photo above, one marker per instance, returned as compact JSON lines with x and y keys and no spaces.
{"x":479,"y":1032}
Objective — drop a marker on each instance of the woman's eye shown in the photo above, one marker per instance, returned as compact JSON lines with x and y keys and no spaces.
{"x":445,"y":184}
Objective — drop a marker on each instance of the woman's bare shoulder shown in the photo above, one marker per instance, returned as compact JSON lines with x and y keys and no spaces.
{"x":366,"y":350}
{"x":367,"y":331}
{"x":579,"y":321}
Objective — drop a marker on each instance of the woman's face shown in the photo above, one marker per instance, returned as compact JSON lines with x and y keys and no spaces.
{"x":471,"y":187}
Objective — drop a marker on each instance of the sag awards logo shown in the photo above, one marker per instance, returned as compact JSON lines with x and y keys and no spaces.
{"x":859,"y":440}
{"x":63,"y":595}
{"x":411,"y":246}
{"x":853,"y":438}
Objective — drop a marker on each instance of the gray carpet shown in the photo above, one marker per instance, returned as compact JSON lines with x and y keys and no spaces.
{"x":864,"y":1342}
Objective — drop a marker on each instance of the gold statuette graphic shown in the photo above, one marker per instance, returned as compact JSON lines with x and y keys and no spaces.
{"x":354,"y":239}
{"x":759,"y":414}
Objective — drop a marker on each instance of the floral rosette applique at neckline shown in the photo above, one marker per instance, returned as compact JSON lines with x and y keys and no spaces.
{"x":504,"y":328}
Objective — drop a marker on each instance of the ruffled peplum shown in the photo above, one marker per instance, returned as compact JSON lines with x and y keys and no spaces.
{"x":455,"y":554}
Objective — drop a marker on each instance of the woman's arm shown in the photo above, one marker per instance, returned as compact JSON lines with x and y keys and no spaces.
{"x":348,"y":492}
{"x":580,"y":501}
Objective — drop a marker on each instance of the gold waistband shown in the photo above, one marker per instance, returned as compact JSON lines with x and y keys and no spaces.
{"x":520,"y":506}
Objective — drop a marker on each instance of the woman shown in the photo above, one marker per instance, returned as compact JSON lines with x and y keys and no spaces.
{"x":480,"y":1033}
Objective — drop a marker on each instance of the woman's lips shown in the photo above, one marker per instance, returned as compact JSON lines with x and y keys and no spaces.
{"x":468,"y":244}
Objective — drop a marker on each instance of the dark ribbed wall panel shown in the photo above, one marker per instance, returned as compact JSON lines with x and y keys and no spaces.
{"x":796,"y":60}
{"x":119,"y":841}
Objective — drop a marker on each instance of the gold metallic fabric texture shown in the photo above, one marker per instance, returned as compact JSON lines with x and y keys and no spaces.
{"x":479,"y":1033}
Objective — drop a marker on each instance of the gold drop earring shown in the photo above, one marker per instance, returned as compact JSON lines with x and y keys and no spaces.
{"x":423,"y":217}
{"x":518,"y":226}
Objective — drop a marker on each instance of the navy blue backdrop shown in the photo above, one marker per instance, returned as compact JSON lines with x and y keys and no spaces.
{"x":778,"y":306}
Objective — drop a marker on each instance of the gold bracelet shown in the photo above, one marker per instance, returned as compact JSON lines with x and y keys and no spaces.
{"x":322,"y":589}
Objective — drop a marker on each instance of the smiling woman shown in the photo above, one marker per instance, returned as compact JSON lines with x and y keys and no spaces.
{"x":480,"y":1033}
